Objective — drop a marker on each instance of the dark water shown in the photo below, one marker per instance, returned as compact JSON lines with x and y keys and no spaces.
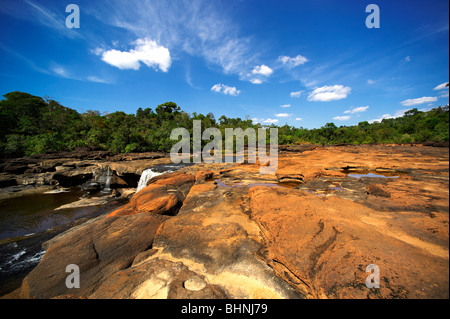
{"x":29,"y":215}
{"x":28,"y":221}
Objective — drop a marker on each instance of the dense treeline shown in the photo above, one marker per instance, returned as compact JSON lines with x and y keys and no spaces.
{"x":32,"y":125}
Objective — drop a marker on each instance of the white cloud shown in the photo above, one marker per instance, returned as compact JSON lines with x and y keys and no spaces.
{"x":408,"y":58}
{"x":146,"y":51}
{"x":96,"y":79}
{"x":97,"y":51}
{"x":200,"y":28}
{"x":418,"y":101}
{"x":225,"y":89}
{"x":443,"y":94}
{"x":308,"y":83}
{"x":296,"y":94}
{"x":262,"y":70}
{"x":283,"y":115}
{"x":270,"y":121}
{"x":342,"y":118}
{"x":121,"y":60}
{"x":357,"y":110}
{"x":216,"y":88}
{"x":441,"y":86}
{"x":329,"y":93}
{"x":398,"y":113}
{"x":256,"y":81}
{"x":369,"y":81}
{"x":384,"y":116}
{"x":266,"y":121}
{"x":285,"y":105}
{"x":298,"y":119}
{"x":60,"y":71}
{"x":292,"y":62}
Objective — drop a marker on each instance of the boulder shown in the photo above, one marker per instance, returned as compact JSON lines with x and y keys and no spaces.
{"x":163,"y":195}
{"x":99,"y":249}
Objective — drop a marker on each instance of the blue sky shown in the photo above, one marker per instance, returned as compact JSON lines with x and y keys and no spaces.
{"x":304,"y":63}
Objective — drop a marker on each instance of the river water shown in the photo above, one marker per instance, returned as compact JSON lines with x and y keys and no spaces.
{"x":28,"y":221}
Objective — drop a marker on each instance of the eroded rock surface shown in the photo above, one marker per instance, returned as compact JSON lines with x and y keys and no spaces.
{"x":308,"y":231}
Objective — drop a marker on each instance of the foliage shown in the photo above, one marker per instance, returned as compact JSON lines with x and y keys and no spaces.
{"x":31,"y":125}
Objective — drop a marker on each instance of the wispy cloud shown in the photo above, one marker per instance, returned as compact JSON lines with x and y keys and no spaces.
{"x":419,"y":101}
{"x":96,"y":79}
{"x":441,"y":86}
{"x":283,"y":115}
{"x":199,"y":28}
{"x":51,"y":18}
{"x":285,"y":105}
{"x":342,"y":118}
{"x":357,"y":110}
{"x":296,"y":94}
{"x":329,"y":93}
{"x":60,"y":71}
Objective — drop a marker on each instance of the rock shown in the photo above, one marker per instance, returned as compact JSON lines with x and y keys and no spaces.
{"x":91,"y":186}
{"x":71,"y":177}
{"x":378,"y":190}
{"x":322,"y":246}
{"x":7,"y":180}
{"x":13,"y":168}
{"x":163,"y":195}
{"x":202,"y":176}
{"x":194,"y":284}
{"x":84,"y":202}
{"x":100,"y":249}
{"x":272,"y":241}
{"x":156,"y":279}
{"x":213,"y":236}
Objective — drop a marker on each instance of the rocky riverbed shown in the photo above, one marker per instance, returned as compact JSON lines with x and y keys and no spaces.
{"x":226,"y":231}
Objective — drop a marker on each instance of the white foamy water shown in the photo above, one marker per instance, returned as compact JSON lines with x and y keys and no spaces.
{"x":145,"y":177}
{"x":57,"y":191}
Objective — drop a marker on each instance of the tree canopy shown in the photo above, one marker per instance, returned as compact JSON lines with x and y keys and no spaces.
{"x":33,"y":125}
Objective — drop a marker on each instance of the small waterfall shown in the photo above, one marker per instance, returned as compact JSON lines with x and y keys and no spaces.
{"x":156,"y":171}
{"x":107,"y":178}
{"x":145,"y":177}
{"x":101,"y":181}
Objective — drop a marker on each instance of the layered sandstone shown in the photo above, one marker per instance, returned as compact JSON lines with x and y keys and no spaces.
{"x":308,"y":231}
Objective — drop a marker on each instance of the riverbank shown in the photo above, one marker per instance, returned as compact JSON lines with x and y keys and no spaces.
{"x":307,"y":231}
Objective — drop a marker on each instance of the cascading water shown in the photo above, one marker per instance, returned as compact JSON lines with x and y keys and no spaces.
{"x":156,"y":171}
{"x":107,"y":180}
{"x":101,"y":181}
{"x":145,"y":177}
